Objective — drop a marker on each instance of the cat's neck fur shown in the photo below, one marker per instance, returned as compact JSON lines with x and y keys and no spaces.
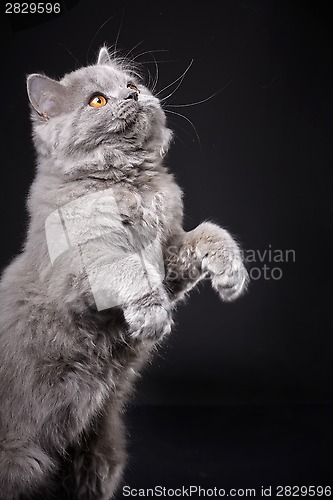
{"x":115,"y":163}
{"x":60,"y":181}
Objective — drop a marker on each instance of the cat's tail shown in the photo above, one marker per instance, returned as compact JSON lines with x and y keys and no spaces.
{"x":24,"y":469}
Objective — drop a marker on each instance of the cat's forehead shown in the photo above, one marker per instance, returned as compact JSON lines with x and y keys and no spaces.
{"x":102,"y":76}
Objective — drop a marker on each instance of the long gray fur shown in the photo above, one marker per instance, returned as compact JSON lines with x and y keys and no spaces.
{"x":66,"y":367}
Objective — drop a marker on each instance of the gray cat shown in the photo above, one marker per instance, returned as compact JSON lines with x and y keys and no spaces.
{"x":91,"y":294}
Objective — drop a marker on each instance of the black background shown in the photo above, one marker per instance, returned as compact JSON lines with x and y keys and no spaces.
{"x":241,"y":393}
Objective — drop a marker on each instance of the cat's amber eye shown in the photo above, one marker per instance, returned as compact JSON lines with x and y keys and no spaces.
{"x":133,"y":87}
{"x":98,"y":101}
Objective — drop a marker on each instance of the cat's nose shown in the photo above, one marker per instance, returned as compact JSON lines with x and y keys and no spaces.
{"x":132,"y":95}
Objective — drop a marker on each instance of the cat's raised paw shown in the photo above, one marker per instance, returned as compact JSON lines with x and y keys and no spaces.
{"x":233,"y":280}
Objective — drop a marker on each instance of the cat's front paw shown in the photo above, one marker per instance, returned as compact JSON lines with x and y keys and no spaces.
{"x":232,"y":281}
{"x":148,"y":319}
{"x":151,"y":323}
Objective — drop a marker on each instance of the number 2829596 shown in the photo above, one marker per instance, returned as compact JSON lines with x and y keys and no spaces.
{"x":32,"y":8}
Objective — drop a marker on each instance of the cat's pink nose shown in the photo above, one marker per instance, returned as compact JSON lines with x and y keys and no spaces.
{"x":132,"y":95}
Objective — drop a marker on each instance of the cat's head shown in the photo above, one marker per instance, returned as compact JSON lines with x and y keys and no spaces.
{"x":103,"y":105}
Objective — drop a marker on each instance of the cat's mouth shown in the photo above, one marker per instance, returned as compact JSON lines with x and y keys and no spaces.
{"x":127,"y":114}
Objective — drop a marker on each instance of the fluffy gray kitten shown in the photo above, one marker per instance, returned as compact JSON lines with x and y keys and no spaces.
{"x":91,"y":294}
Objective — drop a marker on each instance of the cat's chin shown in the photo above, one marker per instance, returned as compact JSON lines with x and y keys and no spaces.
{"x":125,"y":124}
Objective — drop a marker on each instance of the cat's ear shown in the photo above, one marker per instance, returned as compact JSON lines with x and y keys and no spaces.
{"x":103,"y":56}
{"x":46,"y":96}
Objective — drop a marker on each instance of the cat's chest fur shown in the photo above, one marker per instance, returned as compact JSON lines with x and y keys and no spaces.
{"x":146,"y":206}
{"x":102,"y":230}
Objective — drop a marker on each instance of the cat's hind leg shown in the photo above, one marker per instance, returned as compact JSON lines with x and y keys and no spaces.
{"x":96,"y":464}
{"x":24,"y":469}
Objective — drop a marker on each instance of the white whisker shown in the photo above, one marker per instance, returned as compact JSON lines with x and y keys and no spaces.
{"x":119,"y":30}
{"x":179,"y":84}
{"x":159,"y":62}
{"x":189,"y":121}
{"x":156,"y":74}
{"x":131,"y":50}
{"x":202,"y":100}
{"x":69,"y":52}
{"x":95,"y":35}
{"x":150,"y":52}
{"x":181,"y":77}
{"x":175,"y":124}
